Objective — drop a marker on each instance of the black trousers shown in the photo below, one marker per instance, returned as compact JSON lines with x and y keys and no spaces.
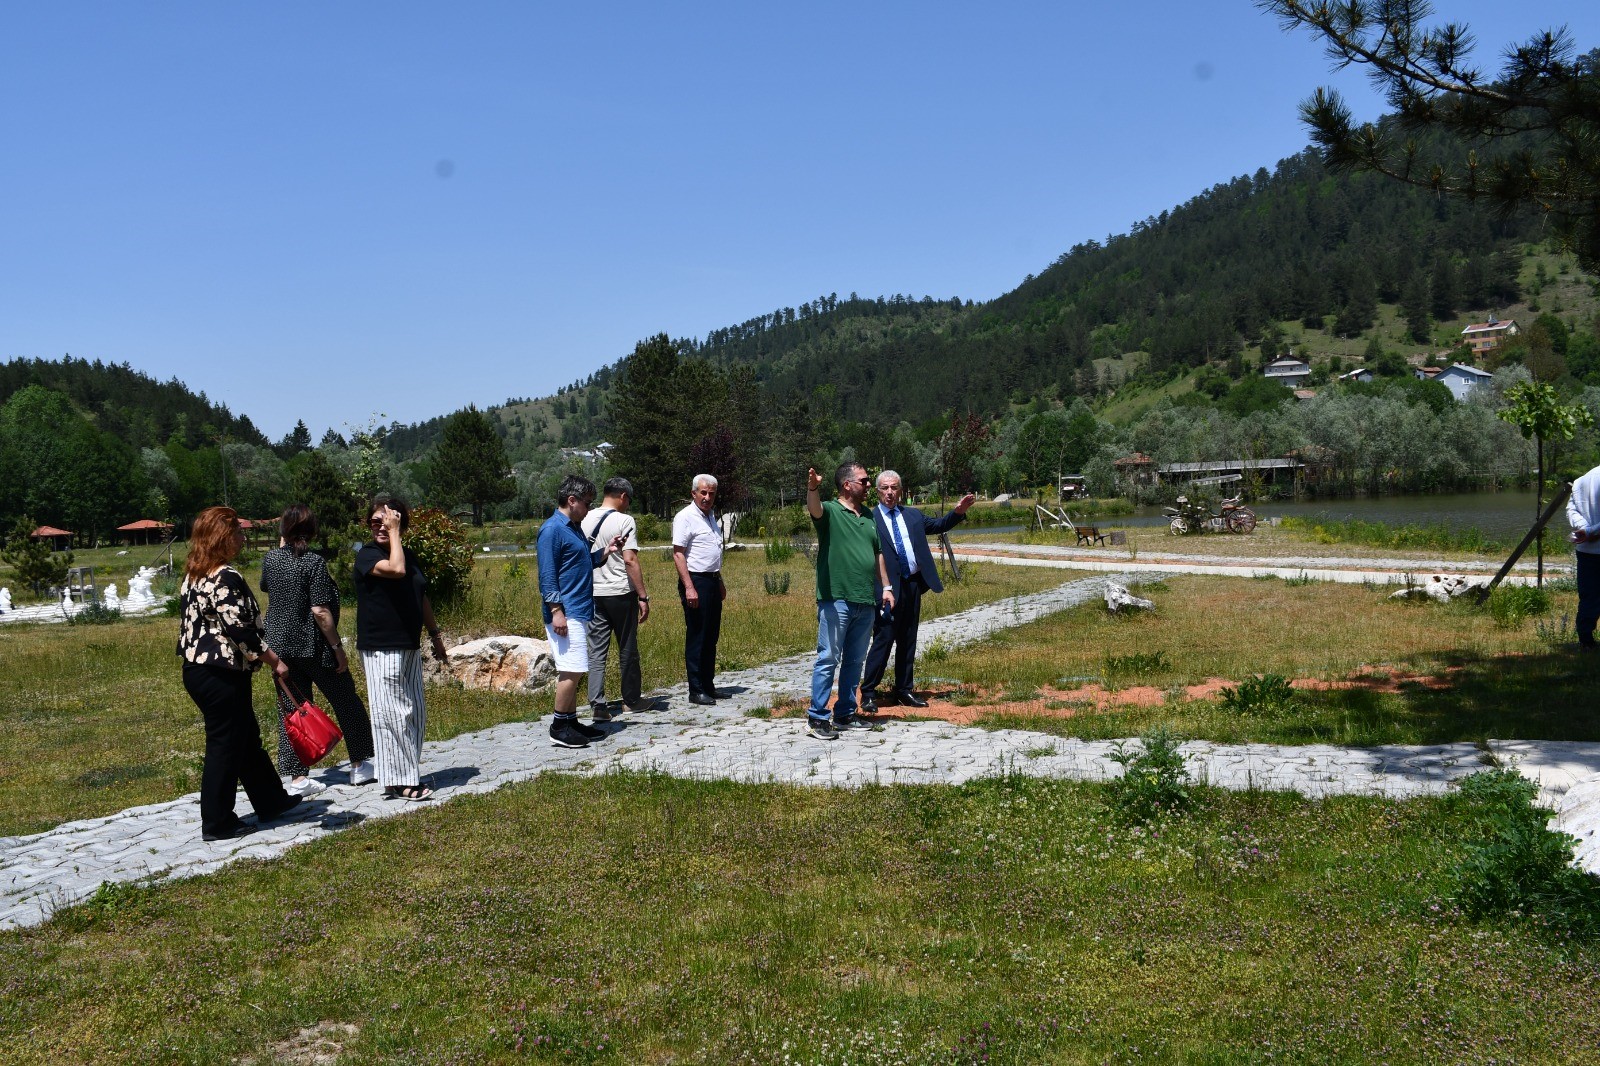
{"x":340,"y":692}
{"x":702,"y":627}
{"x":234,"y":755}
{"x":615,"y":615}
{"x":900,"y":630}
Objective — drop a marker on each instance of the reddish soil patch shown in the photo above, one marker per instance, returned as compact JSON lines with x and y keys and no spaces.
{"x":1092,"y":698}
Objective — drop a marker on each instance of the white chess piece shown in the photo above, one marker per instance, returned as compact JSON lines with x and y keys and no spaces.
{"x":139,"y":594}
{"x":113,"y":601}
{"x":5,"y":600}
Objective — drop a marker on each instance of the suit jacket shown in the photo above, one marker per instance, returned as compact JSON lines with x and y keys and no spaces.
{"x":919,"y":528}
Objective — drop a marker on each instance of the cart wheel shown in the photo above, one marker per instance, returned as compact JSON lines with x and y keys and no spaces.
{"x":1242,"y":520}
{"x":1179,"y":526}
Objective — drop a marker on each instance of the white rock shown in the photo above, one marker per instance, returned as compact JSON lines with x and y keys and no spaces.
{"x":1118,"y":597}
{"x":1439,"y":587}
{"x":499,"y":664}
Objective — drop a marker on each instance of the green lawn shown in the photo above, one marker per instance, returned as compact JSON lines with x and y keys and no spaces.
{"x":1522,"y":681}
{"x":641,"y":919}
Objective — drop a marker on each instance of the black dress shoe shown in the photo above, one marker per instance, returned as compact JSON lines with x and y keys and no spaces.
{"x":869,"y":702}
{"x":701,"y":699}
{"x":910,"y":699}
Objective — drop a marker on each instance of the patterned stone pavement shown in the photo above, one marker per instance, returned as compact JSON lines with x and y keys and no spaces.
{"x":46,"y":871}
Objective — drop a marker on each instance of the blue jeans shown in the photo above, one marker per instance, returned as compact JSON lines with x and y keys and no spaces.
{"x":843,"y":632}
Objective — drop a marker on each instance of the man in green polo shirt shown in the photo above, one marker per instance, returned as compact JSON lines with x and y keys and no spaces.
{"x":850,"y":571}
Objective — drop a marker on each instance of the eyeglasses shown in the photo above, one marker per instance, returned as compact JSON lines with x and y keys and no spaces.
{"x":858,"y":481}
{"x":375,"y":523}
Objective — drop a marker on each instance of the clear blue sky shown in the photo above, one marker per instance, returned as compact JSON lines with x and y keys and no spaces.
{"x":324,"y":211}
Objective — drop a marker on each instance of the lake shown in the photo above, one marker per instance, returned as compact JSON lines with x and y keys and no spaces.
{"x":1501,"y":515}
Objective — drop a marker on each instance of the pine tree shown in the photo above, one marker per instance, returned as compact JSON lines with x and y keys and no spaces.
{"x":470,"y":464}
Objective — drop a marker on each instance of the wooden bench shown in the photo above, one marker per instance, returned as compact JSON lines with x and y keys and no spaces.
{"x":1090,"y":535}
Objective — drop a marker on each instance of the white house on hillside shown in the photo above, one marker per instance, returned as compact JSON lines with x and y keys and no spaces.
{"x":1288,"y":371}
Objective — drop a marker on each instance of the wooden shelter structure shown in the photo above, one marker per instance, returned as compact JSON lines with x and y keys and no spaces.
{"x":145,"y":531}
{"x":60,"y":539}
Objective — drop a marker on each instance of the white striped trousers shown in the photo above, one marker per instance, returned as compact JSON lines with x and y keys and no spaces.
{"x":394,"y":699}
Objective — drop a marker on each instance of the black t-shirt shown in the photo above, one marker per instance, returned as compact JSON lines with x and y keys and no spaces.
{"x":388,"y":609}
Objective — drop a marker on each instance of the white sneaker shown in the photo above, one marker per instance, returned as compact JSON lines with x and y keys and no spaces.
{"x":303,"y":788}
{"x":362,"y":773}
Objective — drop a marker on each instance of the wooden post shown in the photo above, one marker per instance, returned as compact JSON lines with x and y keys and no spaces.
{"x":1549,"y":511}
{"x":950,"y":558}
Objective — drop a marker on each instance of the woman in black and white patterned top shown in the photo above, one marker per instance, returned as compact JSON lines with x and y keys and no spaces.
{"x":303,"y":628}
{"x":220,"y":640}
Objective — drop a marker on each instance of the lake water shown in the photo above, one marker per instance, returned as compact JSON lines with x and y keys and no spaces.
{"x":1501,"y":515}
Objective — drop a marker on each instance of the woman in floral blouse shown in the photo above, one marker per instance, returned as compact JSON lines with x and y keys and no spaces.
{"x":221,"y":645}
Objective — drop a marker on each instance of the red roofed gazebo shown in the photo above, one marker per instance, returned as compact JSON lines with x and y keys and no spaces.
{"x":60,"y":539}
{"x":142,"y":531}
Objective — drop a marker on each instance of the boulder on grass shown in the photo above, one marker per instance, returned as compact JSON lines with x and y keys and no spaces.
{"x":1118,"y":597}
{"x":1441,"y":588}
{"x":498,"y":664}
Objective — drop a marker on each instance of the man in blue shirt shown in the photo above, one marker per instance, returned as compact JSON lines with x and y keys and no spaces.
{"x":566,"y":586}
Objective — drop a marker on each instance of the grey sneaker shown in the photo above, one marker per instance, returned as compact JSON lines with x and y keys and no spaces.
{"x":821,"y":730}
{"x":851,"y":723}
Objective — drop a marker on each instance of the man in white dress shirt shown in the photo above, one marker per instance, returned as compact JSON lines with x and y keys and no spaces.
{"x":697,"y":553}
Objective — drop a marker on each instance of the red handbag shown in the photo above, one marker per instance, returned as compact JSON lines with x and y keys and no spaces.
{"x":312,"y":733}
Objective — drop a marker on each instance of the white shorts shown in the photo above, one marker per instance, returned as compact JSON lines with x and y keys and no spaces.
{"x":571,"y":652}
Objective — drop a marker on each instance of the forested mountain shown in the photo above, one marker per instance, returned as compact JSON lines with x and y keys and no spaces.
{"x":1243,"y":268}
{"x":132,"y":406}
{"x":1189,"y":301}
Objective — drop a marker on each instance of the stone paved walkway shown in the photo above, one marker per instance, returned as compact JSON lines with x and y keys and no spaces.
{"x":43,"y":872}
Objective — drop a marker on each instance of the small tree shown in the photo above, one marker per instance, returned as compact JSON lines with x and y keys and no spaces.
{"x":471,"y":465}
{"x":442,"y":548}
{"x":31,"y":557}
{"x":318,"y":485}
{"x":1536,"y":409}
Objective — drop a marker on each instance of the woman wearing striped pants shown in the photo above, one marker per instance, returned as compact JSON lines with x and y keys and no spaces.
{"x":392,"y":609}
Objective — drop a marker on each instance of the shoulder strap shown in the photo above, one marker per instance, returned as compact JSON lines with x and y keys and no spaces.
{"x":597,"y":525}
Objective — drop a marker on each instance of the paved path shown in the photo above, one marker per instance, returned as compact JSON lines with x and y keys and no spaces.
{"x":1340,"y":569}
{"x":41,"y":873}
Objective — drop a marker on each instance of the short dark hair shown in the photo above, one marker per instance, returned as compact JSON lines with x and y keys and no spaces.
{"x":618,"y":486}
{"x":574,"y":485}
{"x":297,"y":526}
{"x":842,"y":475}
{"x":395,"y":503}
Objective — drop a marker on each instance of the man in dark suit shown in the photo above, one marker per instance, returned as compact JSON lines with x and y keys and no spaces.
{"x":904,"y":533}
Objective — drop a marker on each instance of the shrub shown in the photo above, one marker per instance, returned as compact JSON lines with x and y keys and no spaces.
{"x":1261,"y":695}
{"x":1154,"y":779}
{"x":1518,"y":864}
{"x":779,"y":551}
{"x":1511,"y":605}
{"x":776,"y":584}
{"x":95,"y":614}
{"x":651,"y":528}
{"x":443,"y":550}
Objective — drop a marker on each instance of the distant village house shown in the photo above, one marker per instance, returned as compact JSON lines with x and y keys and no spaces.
{"x":1483,"y":337}
{"x":1288,"y":371}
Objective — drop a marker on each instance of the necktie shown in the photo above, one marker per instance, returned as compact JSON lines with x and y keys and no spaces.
{"x":899,"y":544}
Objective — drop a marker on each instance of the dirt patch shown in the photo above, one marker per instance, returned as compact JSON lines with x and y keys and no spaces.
{"x":320,"y":1045}
{"x":966,"y":705}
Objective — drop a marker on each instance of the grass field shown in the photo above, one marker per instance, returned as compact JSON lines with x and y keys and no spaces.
{"x":94,"y":719}
{"x":1522,"y":681}
{"x":640,"y":919}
